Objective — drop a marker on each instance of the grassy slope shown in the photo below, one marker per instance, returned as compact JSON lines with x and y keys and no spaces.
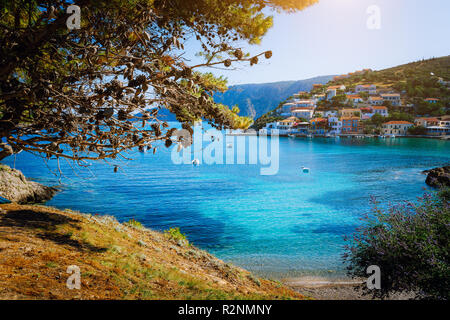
{"x":117,"y":261}
{"x":388,"y":77}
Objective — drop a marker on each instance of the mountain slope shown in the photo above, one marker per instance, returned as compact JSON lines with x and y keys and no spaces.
{"x":256,"y":99}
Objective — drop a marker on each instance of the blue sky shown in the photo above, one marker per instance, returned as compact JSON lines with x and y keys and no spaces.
{"x":332,"y":37}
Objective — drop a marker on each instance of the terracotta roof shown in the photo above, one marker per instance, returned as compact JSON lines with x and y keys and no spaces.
{"x":379,"y":108}
{"x":349,"y":118}
{"x":431,"y":99}
{"x":375,"y":98}
{"x":318,"y":120}
{"x":398,"y":122}
{"x":391,"y":95}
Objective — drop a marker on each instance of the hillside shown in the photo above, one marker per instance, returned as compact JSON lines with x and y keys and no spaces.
{"x":415,"y":80}
{"x":256,"y":99}
{"x":117,"y":261}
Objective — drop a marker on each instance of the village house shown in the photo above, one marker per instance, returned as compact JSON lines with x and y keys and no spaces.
{"x":303,"y":113}
{"x":366,"y":113}
{"x":319,"y":126}
{"x":369,"y":88}
{"x":285,"y":126}
{"x":396,"y":128}
{"x":334,"y":125}
{"x":338,"y":87}
{"x":393,"y":98}
{"x":426,"y":122}
{"x":331,"y":93}
{"x":354,"y":99}
{"x":376,"y":101}
{"x":432,"y":100}
{"x":350,"y":113}
{"x":350,"y":125}
{"x":381,"y":110}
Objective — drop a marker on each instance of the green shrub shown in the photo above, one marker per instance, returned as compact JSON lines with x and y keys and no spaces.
{"x":175,"y":234}
{"x":135,"y":224}
{"x":410,"y":244}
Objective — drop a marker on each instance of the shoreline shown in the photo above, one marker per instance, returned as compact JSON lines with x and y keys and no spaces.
{"x":364,"y":136}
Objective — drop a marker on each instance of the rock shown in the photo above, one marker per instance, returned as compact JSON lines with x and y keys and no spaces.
{"x":438,"y":177}
{"x":16,"y":188}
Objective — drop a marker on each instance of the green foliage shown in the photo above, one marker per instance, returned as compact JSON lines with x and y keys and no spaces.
{"x":410,"y":244}
{"x":79,"y":90}
{"x":417,"y":130}
{"x":175,"y":234}
{"x":135,"y":223}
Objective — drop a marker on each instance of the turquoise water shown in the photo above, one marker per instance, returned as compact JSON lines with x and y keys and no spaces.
{"x":289,"y":224}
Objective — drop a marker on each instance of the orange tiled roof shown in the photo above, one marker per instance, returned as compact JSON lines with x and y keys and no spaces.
{"x":391,"y":95}
{"x":318,"y":120}
{"x":398,"y":122}
{"x":376,"y":98}
{"x":379,"y":108}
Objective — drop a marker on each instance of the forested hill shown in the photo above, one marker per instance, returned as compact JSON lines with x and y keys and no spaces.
{"x":257,"y":99}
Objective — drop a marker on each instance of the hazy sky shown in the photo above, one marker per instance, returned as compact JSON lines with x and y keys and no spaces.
{"x":332,"y":37}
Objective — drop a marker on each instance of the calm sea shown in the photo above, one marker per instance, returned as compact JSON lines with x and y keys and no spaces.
{"x":288,"y":224}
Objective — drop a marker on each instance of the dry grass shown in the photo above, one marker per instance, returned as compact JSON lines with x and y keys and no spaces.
{"x":117,"y":261}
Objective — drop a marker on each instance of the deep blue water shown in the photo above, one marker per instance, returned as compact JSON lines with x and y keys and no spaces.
{"x":287,"y":224}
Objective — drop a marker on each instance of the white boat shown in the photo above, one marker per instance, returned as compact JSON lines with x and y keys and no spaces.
{"x":195,"y":162}
{"x":305,"y":170}
{"x":229,"y":146}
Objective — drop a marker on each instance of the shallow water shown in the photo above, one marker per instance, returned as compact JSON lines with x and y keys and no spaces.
{"x":285,"y":225}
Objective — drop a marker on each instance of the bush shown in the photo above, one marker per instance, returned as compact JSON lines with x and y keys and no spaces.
{"x":135,"y":224}
{"x":410,"y":244}
{"x":417,"y":131}
{"x":175,"y":235}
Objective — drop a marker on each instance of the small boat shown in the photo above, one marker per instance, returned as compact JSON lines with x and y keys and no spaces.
{"x":229,"y":146}
{"x":195,"y":162}
{"x":305,"y":170}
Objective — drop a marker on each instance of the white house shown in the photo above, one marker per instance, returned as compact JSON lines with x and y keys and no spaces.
{"x":331,"y":93}
{"x":393,"y":98}
{"x":369,"y":88}
{"x":335,"y":125}
{"x":396,"y":128}
{"x":380,"y":110}
{"x":376,"y":101}
{"x":305,"y":113}
{"x":354,"y":99}
{"x":285,"y":126}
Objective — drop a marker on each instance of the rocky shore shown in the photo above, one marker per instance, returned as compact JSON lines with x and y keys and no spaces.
{"x":438,"y":177}
{"x":16,"y":188}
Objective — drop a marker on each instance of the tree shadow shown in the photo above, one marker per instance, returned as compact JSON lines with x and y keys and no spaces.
{"x":46,"y":224}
